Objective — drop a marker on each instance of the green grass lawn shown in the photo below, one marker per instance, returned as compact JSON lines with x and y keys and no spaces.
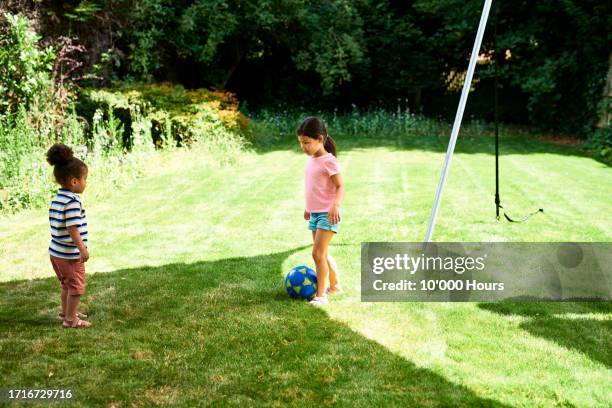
{"x":191,"y":310}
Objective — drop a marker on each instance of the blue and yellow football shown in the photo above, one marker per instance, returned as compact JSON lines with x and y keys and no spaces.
{"x":301,"y":282}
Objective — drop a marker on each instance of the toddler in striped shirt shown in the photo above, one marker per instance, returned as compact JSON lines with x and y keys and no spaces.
{"x":68,"y":222}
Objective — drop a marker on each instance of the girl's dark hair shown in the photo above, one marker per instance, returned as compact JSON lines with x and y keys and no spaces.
{"x":66,"y":165}
{"x":314,"y":128}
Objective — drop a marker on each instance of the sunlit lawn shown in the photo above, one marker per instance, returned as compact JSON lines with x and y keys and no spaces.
{"x":190,"y":309}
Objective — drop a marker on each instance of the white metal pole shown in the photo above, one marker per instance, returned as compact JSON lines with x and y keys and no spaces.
{"x":458,"y":117}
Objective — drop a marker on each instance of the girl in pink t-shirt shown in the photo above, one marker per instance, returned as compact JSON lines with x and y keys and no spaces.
{"x":324,"y":191}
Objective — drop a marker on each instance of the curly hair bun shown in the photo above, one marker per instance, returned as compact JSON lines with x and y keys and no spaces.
{"x":59,"y":154}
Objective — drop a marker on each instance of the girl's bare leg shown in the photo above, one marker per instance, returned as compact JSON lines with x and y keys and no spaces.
{"x":334,"y":283}
{"x":322,"y":239}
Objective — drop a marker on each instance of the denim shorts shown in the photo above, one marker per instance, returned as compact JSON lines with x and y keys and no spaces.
{"x":319,"y":220}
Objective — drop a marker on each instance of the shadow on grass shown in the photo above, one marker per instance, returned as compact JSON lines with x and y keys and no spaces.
{"x":221,"y":332}
{"x":546,"y":319}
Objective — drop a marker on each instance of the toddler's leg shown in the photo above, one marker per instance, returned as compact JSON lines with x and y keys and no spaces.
{"x":71,"y":306}
{"x":76,"y":281}
{"x":72,"y":319}
{"x":64,"y":301}
{"x":57,"y":267}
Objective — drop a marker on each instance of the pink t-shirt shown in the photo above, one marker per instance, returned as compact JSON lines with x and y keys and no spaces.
{"x":320,"y":189}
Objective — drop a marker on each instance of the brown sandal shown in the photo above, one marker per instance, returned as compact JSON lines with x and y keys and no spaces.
{"x":76,"y":324}
{"x":62,"y":317}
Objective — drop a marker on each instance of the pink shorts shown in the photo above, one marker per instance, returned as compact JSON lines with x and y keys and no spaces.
{"x":71,"y":274}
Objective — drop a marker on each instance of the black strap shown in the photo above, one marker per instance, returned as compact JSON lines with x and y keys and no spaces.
{"x":525,"y":218}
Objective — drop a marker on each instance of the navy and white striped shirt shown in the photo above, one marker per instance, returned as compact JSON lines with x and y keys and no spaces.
{"x":66,"y":210}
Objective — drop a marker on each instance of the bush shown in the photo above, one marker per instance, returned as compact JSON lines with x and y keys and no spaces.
{"x":25,"y":71}
{"x":26,"y":179}
{"x":175,"y":116}
{"x":601,"y":141}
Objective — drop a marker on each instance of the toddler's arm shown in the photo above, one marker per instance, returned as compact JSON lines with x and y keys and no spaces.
{"x":76,"y":238}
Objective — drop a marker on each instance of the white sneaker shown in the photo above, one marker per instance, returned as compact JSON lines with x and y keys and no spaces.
{"x":319,"y":300}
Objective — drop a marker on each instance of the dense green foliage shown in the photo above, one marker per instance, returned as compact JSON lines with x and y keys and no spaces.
{"x":601,"y":141}
{"x":24,"y":68}
{"x":37,"y":111}
{"x":551,"y":57}
{"x":26,"y":179}
{"x":169,"y":114}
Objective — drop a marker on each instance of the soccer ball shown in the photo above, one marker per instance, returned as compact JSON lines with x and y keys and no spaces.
{"x":301,"y":282}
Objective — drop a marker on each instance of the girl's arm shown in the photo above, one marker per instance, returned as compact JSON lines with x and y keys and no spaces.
{"x":334,"y":211}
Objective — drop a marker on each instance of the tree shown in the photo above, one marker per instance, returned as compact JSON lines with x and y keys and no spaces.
{"x":323,"y":36}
